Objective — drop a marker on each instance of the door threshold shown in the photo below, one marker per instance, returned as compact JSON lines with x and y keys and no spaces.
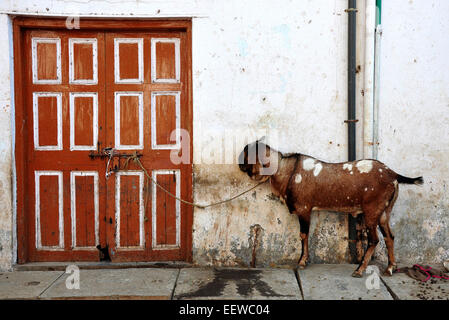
{"x":92,"y":265}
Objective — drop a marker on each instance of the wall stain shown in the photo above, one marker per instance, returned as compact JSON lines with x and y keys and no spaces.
{"x":255,"y":231}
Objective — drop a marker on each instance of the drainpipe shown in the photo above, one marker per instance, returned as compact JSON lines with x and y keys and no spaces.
{"x":352,"y":11}
{"x":368,"y":85}
{"x":376,"y":78}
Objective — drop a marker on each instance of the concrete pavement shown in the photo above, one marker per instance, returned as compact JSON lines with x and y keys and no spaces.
{"x":334,"y":282}
{"x":316,"y":282}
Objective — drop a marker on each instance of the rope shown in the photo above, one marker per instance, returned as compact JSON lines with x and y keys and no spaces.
{"x":426,"y":271}
{"x":136,"y":159}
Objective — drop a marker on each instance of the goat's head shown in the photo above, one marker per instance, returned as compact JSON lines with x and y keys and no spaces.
{"x":258,"y":160}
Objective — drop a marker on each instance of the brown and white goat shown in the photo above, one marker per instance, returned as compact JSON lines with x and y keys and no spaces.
{"x":305,"y":184}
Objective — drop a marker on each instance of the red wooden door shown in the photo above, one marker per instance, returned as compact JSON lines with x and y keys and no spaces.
{"x":86,"y":91}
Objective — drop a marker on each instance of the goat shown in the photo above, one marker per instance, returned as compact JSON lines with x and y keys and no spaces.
{"x":304,"y":184}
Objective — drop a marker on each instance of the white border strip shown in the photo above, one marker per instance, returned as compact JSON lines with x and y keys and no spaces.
{"x":34,"y":43}
{"x":14,"y":137}
{"x":117,"y":42}
{"x":94,"y":80}
{"x":141,"y":209}
{"x":154,"y":144}
{"x":73,"y":176}
{"x":37,"y":175}
{"x":118,"y":95}
{"x":36,"y":96}
{"x":177,"y":174}
{"x":94,"y":97}
{"x":177,"y":42}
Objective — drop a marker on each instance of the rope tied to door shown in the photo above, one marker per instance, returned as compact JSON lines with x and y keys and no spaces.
{"x":134,"y":157}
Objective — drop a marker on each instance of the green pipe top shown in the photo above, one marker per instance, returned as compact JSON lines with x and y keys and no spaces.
{"x":378,"y":12}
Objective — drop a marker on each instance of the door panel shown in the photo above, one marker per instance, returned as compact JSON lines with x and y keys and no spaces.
{"x":166,"y":210}
{"x":83,"y":60}
{"x":165,"y":117}
{"x":49,"y":210}
{"x":165,"y":57}
{"x":128,"y":122}
{"x":86,"y":91}
{"x":129,"y":210}
{"x":128,"y":60}
{"x":46,"y":59}
{"x":85,"y":209}
{"x":47,"y":117}
{"x":83,"y":120}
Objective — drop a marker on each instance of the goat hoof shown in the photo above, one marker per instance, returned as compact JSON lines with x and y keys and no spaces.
{"x":357,"y":274}
{"x":302,"y":266}
{"x":389,"y":271}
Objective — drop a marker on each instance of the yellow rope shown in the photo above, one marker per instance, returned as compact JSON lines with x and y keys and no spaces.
{"x":137,"y":161}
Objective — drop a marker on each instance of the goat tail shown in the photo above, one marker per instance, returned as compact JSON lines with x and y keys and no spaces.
{"x":402,"y":179}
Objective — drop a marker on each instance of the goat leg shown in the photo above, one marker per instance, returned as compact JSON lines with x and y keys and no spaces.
{"x":389,"y":241}
{"x":384,"y":224}
{"x":373,"y":240}
{"x":304,"y":225}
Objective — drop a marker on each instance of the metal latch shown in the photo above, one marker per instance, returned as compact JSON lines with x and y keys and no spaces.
{"x":111,"y":153}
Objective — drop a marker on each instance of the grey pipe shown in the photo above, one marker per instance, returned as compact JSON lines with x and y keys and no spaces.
{"x":351,"y":78}
{"x":352,"y":27}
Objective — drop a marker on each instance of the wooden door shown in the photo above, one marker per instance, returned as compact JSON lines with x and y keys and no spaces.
{"x":85,"y":91}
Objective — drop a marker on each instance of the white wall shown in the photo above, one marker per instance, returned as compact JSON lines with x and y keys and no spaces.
{"x":262,"y":65}
{"x":414,"y":123}
{"x":6,"y":216}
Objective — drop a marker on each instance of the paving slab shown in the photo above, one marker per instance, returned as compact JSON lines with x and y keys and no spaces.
{"x":406,"y":288}
{"x":237,"y":283}
{"x":151,"y":283}
{"x":26,"y":284}
{"x":334,"y":282}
